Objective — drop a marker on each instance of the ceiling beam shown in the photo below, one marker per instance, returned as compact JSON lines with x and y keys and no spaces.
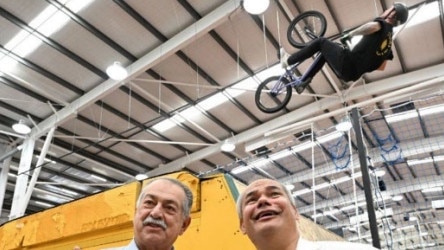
{"x":182,"y":39}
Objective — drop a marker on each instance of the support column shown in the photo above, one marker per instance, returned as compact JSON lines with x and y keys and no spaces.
{"x":22,"y":177}
{"x":36,"y":172}
{"x":4,"y":164}
{"x":365,"y":178}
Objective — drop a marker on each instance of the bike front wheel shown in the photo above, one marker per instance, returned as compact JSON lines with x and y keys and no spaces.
{"x":305,"y":28}
{"x":273,"y":94}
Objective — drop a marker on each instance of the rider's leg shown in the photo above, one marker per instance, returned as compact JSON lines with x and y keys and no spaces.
{"x":308,"y":76}
{"x":338,"y":58}
{"x":316,"y":67}
{"x":307,"y":51}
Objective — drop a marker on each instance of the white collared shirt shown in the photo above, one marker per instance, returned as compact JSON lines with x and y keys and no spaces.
{"x":304,"y":244}
{"x":132,"y":246}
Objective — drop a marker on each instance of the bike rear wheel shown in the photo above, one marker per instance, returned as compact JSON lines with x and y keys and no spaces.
{"x":273,"y":94}
{"x":305,"y":28}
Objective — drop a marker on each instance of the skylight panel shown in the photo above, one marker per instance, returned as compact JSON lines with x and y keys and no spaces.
{"x":249,"y":84}
{"x":213,"y":101}
{"x":401,"y":116}
{"x":425,"y":14}
{"x":164,"y":125}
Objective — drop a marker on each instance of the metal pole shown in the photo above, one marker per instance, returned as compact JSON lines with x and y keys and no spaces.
{"x":36,"y":173}
{"x":4,"y":163}
{"x":9,"y":154}
{"x":22,"y":176}
{"x":365,"y":178}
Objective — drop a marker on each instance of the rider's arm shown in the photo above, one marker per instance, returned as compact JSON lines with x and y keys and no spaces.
{"x":382,"y":66}
{"x":366,"y":29}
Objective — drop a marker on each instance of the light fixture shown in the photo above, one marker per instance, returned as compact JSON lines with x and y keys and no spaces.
{"x":379,"y":172}
{"x":344,"y":125}
{"x":116,"y":71}
{"x":397,"y":197}
{"x":256,"y":7}
{"x":289,"y":186}
{"x":21,"y":127}
{"x":140,"y":177}
{"x":227,"y":146}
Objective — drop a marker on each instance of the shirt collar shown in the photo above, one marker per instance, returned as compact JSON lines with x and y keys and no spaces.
{"x":304,"y":244}
{"x":133,"y":246}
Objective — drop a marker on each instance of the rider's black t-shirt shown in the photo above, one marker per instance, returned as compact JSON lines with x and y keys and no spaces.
{"x":372,"y":50}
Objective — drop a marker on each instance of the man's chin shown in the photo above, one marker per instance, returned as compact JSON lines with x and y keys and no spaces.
{"x":266,"y":225}
{"x":153,"y":230}
{"x":153,"y":236}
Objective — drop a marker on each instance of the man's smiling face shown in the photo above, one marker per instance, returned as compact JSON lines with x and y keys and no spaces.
{"x":266,"y":208}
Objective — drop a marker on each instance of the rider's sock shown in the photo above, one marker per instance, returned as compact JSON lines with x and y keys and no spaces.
{"x":284,"y":58}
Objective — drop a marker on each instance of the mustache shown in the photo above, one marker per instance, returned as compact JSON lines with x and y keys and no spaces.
{"x":151,"y":220}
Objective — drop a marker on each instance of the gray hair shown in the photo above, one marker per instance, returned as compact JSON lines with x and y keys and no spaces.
{"x":242,"y":196}
{"x":187,"y":202}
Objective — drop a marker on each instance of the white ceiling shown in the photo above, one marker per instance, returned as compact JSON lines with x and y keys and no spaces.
{"x":185,"y":56}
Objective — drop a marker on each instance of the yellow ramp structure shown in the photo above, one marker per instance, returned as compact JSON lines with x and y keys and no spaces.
{"x":104,"y":220}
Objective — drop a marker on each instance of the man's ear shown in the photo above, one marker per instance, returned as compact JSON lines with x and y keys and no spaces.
{"x":242,"y":227}
{"x":186,"y":223}
{"x":296,"y":213}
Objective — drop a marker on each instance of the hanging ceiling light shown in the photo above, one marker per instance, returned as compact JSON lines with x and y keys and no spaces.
{"x":397,"y":197}
{"x":344,"y":125}
{"x":116,"y":71}
{"x":289,"y":186}
{"x":21,"y":127}
{"x":140,"y":177}
{"x":227,"y":146}
{"x":256,"y":7}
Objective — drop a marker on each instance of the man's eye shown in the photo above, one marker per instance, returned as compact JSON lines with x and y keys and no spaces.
{"x":149,"y":202}
{"x":171,"y":208}
{"x":275,"y":194}
{"x":250,"y":201}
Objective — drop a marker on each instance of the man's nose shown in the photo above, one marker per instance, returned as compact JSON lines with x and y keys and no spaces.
{"x":263,"y":200}
{"x":156,"y":211}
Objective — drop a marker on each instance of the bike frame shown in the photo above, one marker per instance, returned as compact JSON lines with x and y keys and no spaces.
{"x":290,"y":75}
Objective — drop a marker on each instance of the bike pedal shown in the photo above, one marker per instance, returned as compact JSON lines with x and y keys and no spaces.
{"x":301,"y":87}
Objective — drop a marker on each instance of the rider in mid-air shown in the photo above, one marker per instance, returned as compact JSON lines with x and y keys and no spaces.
{"x":371,"y":53}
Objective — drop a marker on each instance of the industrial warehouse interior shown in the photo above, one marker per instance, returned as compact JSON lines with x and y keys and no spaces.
{"x":192,"y":69}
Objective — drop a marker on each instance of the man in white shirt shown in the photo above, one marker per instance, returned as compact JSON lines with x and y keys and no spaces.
{"x":269,"y":217}
{"x":162,"y":214}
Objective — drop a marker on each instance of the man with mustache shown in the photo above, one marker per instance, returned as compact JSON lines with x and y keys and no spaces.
{"x":162,"y":214}
{"x":269,"y":217}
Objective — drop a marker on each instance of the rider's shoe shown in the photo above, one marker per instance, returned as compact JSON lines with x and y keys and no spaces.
{"x":283,"y":55}
{"x":301,"y":87}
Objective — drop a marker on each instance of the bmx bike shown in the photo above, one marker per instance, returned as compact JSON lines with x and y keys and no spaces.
{"x":275,"y":92}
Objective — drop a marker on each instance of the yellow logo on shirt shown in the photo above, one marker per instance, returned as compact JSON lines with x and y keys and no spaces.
{"x":385,"y":45}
